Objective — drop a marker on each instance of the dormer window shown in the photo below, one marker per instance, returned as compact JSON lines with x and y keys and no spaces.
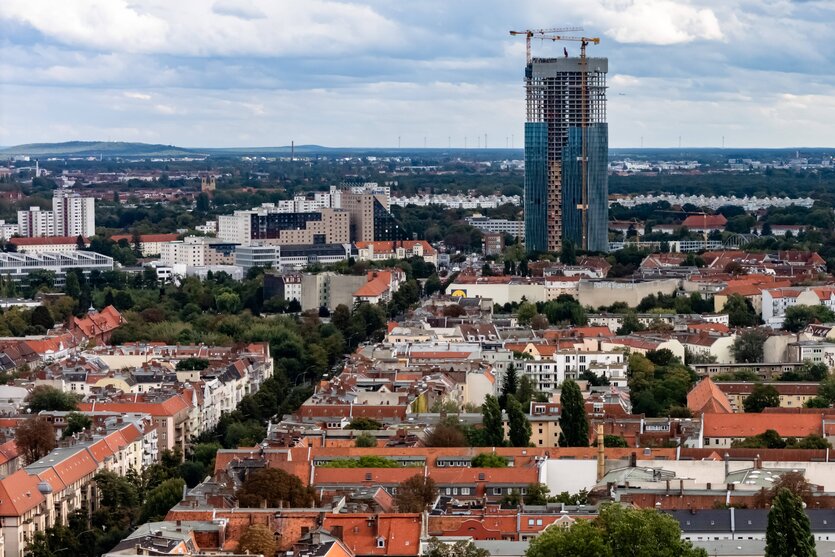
{"x":381,"y":542}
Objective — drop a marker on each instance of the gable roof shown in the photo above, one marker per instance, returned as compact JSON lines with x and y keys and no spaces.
{"x":19,"y":494}
{"x":748,"y":425}
{"x":707,"y":397}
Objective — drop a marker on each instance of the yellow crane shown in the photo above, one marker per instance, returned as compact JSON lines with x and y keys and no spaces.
{"x":541,"y":34}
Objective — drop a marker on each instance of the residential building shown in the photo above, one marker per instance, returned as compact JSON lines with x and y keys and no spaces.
{"x":269,"y":225}
{"x":150,"y":245}
{"x":370,"y":219}
{"x":565,"y":200}
{"x":40,"y":244}
{"x":7,"y":230}
{"x":515,"y":228}
{"x":329,"y":290}
{"x":195,"y":251}
{"x":71,"y":215}
{"x":401,"y":249}
{"x":492,"y":243}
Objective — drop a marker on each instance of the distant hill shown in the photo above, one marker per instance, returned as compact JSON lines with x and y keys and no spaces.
{"x":95,"y":148}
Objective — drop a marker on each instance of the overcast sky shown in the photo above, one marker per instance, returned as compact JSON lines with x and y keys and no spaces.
{"x":217,"y":73}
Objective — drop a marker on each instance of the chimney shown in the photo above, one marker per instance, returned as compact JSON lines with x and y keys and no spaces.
{"x":727,"y":465}
{"x":601,"y":453}
{"x":633,"y":460}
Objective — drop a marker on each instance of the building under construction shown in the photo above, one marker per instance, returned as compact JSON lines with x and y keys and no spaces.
{"x":566,"y":153}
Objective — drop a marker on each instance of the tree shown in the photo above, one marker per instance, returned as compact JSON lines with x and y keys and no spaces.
{"x":276,"y":487}
{"x":492,"y":422}
{"x":509,"y":386}
{"x":581,"y":539}
{"x":72,"y":286}
{"x":573,"y":421}
{"x":365,"y":440}
{"x":526,"y":391}
{"x":789,"y":532}
{"x":257,"y":539}
{"x":415,"y":494}
{"x":160,"y":500}
{"x":614,"y":441}
{"x":643,"y":532}
{"x":537,"y":494}
{"x":761,"y":397}
{"x":519,"y":426}
{"x":34,"y":438}
{"x":202,"y":204}
{"x":123,"y":300}
{"x":526,"y":313}
{"x":76,"y":422}
{"x":446,"y":434}
{"x":228,"y":302}
{"x":457,"y":549}
{"x":748,"y":346}
{"x":740,"y":311}
{"x":42,"y":316}
{"x":489,"y":460}
{"x":364,"y":424}
{"x":798,"y":317}
{"x":568,"y":255}
{"x":44,"y":397}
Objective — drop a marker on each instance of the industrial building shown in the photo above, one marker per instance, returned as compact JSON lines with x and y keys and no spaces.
{"x":566,"y":151}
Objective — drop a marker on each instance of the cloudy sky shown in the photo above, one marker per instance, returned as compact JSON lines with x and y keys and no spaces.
{"x":216,"y":73}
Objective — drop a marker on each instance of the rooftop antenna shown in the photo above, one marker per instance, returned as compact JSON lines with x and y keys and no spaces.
{"x":292,"y":150}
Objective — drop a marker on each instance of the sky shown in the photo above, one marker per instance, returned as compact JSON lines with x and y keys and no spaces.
{"x":439,"y":73}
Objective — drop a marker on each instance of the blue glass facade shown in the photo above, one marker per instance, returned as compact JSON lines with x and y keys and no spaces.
{"x":536,"y":186}
{"x":597,"y":215}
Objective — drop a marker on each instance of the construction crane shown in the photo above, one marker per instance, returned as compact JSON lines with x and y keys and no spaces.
{"x":542,"y":34}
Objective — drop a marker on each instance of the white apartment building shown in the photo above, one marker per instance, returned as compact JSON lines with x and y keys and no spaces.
{"x":71,"y":215}
{"x":548,"y":375}
{"x":775,"y":301}
{"x":515,"y":228}
{"x":7,"y":230}
{"x":197,"y":251}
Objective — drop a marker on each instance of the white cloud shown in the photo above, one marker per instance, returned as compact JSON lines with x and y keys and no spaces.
{"x":659,"y":22}
{"x":137,"y":96}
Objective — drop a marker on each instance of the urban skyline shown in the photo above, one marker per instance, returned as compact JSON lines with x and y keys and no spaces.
{"x":380,"y":74}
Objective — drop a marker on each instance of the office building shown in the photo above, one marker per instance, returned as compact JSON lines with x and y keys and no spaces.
{"x":71,"y":215}
{"x":18,"y":266}
{"x":271,"y":225}
{"x":515,"y":228}
{"x":370,"y":219}
{"x":566,"y":150}
{"x":197,"y":251}
{"x":291,"y":257}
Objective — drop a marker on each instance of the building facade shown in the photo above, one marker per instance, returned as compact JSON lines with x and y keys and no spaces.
{"x":566,"y":150}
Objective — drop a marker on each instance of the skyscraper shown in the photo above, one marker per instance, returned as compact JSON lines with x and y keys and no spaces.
{"x":566,"y":154}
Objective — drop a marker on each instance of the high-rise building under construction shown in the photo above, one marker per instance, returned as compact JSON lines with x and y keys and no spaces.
{"x":566,"y":154}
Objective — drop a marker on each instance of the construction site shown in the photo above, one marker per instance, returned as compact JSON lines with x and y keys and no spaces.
{"x":566,"y":145}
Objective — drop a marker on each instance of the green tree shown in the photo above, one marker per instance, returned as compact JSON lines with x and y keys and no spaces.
{"x":643,"y":532}
{"x":76,"y":422}
{"x":274,"y":486}
{"x":789,"y":532}
{"x":41,"y":316}
{"x":72,"y":286}
{"x":798,"y":317}
{"x":257,"y":539}
{"x":526,"y":391}
{"x":488,"y":460}
{"x":740,"y":311}
{"x":415,"y":494}
{"x":581,"y":539}
{"x":748,"y":346}
{"x":447,"y":433}
{"x":573,"y":421}
{"x":761,"y":397}
{"x":457,"y":549}
{"x":519,"y":426}
{"x":509,"y":386}
{"x":365,"y":440}
{"x":537,"y":494}
{"x":568,"y":254}
{"x":160,"y":499}
{"x":492,"y":422}
{"x":228,"y":302}
{"x":44,"y":397}
{"x":362,"y":423}
{"x":614,"y":441}
{"x":526,"y":313}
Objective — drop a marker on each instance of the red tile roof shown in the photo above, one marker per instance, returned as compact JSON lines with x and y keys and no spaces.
{"x":19,"y":494}
{"x":146,"y":238}
{"x":706,"y":396}
{"x":94,"y":324}
{"x":400,"y":533}
{"x":705,"y":221}
{"x":46,"y":241}
{"x":748,"y":425}
{"x":378,"y":283}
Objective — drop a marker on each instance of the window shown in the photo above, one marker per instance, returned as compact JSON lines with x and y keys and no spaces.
{"x":381,"y":542}
{"x":497,"y":491}
{"x":465,"y":491}
{"x":530,"y":522}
